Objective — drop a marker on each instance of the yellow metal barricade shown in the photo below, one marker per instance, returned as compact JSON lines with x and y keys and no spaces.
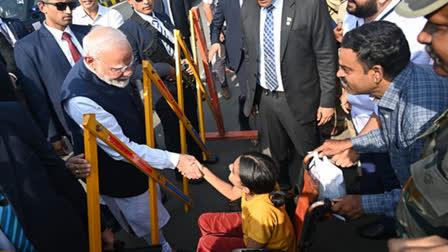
{"x":149,"y":70}
{"x":149,"y":129}
{"x":93,"y":130}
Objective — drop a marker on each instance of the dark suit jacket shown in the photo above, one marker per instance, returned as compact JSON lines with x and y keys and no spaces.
{"x":308,"y":55}
{"x":6,"y":50}
{"x":48,"y":201}
{"x":180,"y":10}
{"x":16,"y":27}
{"x":139,"y":37}
{"x":44,"y":67}
{"x":229,"y":11}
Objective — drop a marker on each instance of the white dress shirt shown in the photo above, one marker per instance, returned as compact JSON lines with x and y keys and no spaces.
{"x":57,"y":34}
{"x":105,"y":17}
{"x":362,"y":105}
{"x":6,"y":28}
{"x":77,"y":106}
{"x":277,"y":12}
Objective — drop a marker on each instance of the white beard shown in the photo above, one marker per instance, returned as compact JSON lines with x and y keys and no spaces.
{"x":117,"y":83}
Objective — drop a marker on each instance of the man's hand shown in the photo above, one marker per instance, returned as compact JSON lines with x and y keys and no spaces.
{"x":333,"y":147}
{"x":349,"y":205}
{"x":324,"y":115}
{"x":429,"y":243}
{"x":189,"y":167}
{"x":215,"y":48}
{"x":222,"y":37}
{"x":189,"y":70}
{"x":60,"y":147}
{"x":345,"y":105}
{"x":172,"y":75}
{"x":78,"y":166}
{"x":253,"y":111}
{"x":346,"y":159}
{"x":338,"y":33}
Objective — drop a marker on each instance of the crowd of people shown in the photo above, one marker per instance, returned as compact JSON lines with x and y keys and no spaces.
{"x":384,"y":62}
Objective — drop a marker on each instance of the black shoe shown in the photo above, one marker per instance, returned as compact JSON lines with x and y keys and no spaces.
{"x":242,"y":119}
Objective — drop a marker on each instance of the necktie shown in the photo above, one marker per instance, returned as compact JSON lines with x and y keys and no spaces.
{"x":6,"y":34}
{"x":11,"y":227}
{"x":269,"y":51}
{"x":73,"y":50}
{"x":159,"y":26}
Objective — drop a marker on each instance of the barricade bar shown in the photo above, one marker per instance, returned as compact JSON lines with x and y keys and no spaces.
{"x":93,"y":190}
{"x":149,"y":129}
{"x":196,"y":76}
{"x":96,"y":129}
{"x":196,"y":30}
{"x":149,"y":70}
{"x":221,"y":134}
{"x":232,"y":135}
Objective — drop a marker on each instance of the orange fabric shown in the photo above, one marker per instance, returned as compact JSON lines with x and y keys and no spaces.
{"x":309,"y":194}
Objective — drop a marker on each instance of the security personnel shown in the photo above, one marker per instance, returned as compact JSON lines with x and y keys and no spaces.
{"x":423,"y":207}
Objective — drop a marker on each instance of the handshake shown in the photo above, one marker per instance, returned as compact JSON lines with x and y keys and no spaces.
{"x":190,"y":167}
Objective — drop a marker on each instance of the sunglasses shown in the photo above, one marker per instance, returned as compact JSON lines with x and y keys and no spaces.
{"x":61,"y":6}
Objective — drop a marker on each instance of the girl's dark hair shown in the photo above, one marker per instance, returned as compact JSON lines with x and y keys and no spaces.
{"x":259,"y":173}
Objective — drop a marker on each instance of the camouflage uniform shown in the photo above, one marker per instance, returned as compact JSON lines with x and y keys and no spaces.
{"x":423,"y":207}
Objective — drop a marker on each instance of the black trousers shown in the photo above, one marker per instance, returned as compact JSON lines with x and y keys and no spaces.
{"x":241,"y":76}
{"x":288,"y":139}
{"x":170,"y":121}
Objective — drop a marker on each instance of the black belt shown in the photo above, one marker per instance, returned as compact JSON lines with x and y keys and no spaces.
{"x":269,"y":92}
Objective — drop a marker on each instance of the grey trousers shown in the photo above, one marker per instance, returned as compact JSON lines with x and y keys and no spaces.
{"x":288,"y":139}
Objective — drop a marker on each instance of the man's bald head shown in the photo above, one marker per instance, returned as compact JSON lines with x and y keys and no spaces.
{"x":104,"y":40}
{"x":109,"y":54}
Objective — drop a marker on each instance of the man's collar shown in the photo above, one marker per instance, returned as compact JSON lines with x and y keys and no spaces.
{"x":386,"y":10}
{"x":58,"y":33}
{"x":276,"y":3}
{"x":146,"y":17}
{"x":392,"y":95}
{"x":101,"y":11}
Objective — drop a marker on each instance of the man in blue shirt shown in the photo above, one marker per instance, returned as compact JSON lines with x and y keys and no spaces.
{"x":374,"y":59}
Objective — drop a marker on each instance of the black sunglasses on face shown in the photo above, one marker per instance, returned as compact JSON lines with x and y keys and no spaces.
{"x":61,"y":6}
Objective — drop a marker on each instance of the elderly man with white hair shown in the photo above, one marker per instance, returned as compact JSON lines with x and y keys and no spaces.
{"x":99,"y":84}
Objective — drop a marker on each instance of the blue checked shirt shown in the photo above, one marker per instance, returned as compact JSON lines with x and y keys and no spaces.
{"x":414,"y":98}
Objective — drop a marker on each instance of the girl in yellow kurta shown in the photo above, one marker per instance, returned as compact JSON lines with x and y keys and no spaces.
{"x":263,"y":222}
